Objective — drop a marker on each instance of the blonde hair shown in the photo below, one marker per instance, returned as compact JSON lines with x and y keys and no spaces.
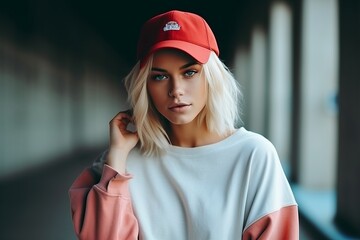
{"x":221,"y":112}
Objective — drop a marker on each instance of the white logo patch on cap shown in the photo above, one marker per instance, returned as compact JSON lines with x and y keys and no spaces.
{"x":172,"y":25}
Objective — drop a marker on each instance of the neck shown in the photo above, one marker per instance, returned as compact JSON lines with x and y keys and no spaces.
{"x":193,"y":135}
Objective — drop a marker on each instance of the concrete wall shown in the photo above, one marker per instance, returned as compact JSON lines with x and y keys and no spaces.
{"x":54,"y":99}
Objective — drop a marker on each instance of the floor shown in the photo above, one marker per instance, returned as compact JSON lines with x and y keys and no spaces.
{"x":36,"y":206}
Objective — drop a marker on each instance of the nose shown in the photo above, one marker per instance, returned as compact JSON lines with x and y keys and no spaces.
{"x":176,"y":89}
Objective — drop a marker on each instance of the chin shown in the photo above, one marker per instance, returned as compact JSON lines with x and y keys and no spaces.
{"x":180,"y":121}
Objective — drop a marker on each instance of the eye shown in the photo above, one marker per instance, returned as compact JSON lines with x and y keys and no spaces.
{"x":158,"y":77}
{"x":190,"y":73}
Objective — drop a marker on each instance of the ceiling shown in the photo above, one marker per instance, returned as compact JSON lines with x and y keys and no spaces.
{"x":117,"y":23}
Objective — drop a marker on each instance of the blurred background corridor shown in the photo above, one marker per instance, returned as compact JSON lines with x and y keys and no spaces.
{"x":61,"y":70}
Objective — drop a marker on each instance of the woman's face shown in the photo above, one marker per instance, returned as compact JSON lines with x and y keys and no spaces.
{"x":176,"y":86}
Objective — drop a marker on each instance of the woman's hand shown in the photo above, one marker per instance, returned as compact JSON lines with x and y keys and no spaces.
{"x":122,"y":141}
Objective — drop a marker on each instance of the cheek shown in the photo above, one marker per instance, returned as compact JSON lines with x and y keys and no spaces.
{"x":157,"y":96}
{"x":200,"y":90}
{"x":203,"y":96}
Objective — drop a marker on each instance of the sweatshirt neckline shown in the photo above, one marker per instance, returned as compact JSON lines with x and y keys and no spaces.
{"x":205,"y":148}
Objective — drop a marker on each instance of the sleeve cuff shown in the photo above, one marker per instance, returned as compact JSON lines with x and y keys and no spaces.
{"x":113,"y":182}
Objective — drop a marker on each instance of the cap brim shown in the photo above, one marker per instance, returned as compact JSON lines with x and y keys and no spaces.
{"x":199,"y":53}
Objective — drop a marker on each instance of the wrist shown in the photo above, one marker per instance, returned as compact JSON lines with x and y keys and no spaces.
{"x":116,"y":158}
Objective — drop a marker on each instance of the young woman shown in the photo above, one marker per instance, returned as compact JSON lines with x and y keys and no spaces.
{"x":187,"y":172}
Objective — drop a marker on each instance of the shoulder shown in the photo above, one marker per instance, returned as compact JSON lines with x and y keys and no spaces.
{"x":135,"y":154}
{"x":254,"y":142}
{"x":257,"y":152}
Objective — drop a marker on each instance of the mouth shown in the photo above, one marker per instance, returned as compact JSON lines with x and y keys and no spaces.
{"x":180,"y":107}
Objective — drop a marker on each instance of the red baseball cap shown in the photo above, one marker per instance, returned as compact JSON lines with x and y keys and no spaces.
{"x":177,"y":29}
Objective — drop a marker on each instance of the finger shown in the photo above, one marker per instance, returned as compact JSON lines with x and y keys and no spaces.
{"x":121,"y":118}
{"x":122,"y":121}
{"x":122,"y":115}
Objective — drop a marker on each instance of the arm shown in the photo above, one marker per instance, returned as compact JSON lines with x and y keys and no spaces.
{"x":282,"y":224}
{"x":103,"y":210}
{"x":272,"y":209}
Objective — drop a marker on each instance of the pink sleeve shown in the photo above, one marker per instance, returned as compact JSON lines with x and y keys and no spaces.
{"x":103,"y":210}
{"x":282,"y":224}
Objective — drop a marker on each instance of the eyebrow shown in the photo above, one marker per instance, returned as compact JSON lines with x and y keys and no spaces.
{"x":182,"y":67}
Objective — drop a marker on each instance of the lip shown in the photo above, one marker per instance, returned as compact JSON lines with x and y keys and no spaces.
{"x":179,"y":107}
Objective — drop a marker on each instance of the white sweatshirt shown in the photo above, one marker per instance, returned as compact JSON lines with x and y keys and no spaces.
{"x":232,"y":189}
